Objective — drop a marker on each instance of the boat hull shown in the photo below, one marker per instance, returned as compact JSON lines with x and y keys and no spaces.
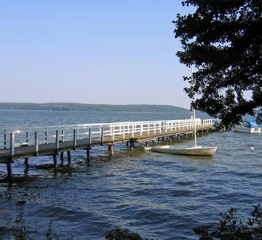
{"x":247,"y":130}
{"x":192,"y":151}
{"x":248,"y":126}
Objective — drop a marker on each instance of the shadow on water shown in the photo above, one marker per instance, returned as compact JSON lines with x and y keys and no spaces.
{"x":17,"y":179}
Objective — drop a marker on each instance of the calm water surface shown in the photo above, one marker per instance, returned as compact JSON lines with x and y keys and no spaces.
{"x":157,"y":195}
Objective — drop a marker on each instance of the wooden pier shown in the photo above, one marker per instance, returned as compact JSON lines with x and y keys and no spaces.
{"x":55,"y":140}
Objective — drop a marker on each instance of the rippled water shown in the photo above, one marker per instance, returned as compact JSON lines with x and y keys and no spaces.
{"x":158,"y":196}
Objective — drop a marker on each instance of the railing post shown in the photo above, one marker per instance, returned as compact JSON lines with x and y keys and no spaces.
{"x":12,"y":145}
{"x":90,"y":135}
{"x":113,"y":131}
{"x":74,"y":137}
{"x":62,"y":134}
{"x":123,"y":131}
{"x":102,"y":135}
{"x":57,"y":139}
{"x":76,"y":130}
{"x":26,"y":136}
{"x":36,"y":144}
{"x":141,"y":129}
{"x":5,"y":139}
{"x":46,"y":133}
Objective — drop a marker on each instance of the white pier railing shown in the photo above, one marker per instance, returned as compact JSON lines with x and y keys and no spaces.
{"x":55,"y":134}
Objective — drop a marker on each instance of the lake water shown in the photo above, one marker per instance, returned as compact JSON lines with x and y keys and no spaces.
{"x":158,"y":196}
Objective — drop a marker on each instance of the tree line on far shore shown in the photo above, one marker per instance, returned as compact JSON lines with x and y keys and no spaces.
{"x":92,"y":107}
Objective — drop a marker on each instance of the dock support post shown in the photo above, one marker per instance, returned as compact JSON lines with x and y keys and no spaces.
{"x":62,"y":156}
{"x":88,"y":153}
{"x":26,"y":161}
{"x":55,"y":161}
{"x":132,"y":145}
{"x":9,"y":169}
{"x":111,"y":149}
{"x":68,"y":156}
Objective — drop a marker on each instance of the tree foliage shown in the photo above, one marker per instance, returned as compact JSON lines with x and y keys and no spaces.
{"x":230,"y":227}
{"x":223,"y":40}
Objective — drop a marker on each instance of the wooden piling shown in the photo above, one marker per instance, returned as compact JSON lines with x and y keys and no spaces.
{"x":111,"y":149}
{"x":55,"y":161}
{"x":88,"y":153}
{"x":132,"y":144}
{"x":68,"y":156}
{"x":62,"y":156}
{"x":9,"y":169}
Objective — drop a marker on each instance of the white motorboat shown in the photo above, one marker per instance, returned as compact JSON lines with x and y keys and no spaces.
{"x":248,"y":126}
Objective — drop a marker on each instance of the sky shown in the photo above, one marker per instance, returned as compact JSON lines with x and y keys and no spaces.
{"x":91,"y":51}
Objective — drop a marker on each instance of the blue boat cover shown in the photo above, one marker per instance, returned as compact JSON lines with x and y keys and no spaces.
{"x":251,"y":123}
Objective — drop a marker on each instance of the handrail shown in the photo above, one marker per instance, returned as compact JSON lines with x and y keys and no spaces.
{"x":55,"y":134}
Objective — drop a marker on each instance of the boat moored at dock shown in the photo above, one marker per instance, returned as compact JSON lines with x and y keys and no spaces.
{"x":248,"y":126}
{"x":192,"y":151}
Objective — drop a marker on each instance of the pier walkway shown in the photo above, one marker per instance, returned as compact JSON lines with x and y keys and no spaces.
{"x":54,"y":140}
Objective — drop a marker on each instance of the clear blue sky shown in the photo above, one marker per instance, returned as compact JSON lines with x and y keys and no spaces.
{"x":91,"y":51}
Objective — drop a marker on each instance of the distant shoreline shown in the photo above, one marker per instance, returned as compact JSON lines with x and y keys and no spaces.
{"x":93,"y":107}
